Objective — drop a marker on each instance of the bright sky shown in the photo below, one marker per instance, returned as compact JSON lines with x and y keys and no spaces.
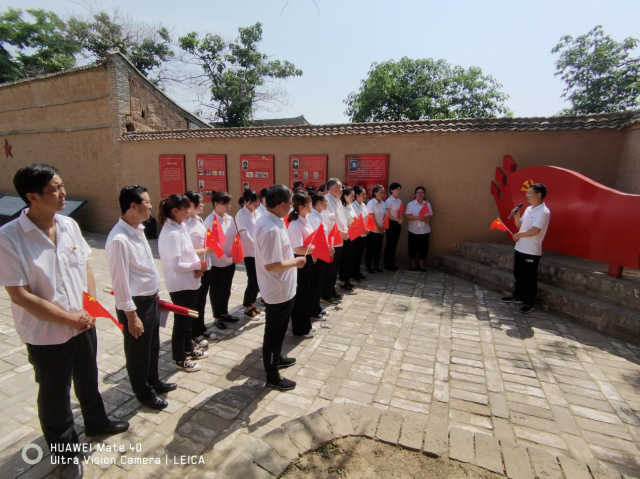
{"x":510,"y":40}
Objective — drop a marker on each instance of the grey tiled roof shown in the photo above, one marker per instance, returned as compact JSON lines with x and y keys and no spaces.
{"x":612,"y":121}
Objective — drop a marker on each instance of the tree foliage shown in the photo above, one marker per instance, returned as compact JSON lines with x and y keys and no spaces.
{"x":235,"y":73}
{"x":425,"y":88}
{"x":599,"y":73}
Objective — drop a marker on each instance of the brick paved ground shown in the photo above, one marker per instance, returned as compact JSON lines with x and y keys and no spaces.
{"x":430,"y":345}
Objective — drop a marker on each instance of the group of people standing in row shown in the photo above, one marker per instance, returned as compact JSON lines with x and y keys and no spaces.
{"x":47,"y":276}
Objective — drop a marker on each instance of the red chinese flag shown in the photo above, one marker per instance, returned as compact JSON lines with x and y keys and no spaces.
{"x":95,"y":309}
{"x":237,"y":250}
{"x":211,"y":243}
{"x":334,"y":235}
{"x":499,"y":225}
{"x":321,"y":247}
{"x":385,"y":223}
{"x":216,"y":229}
{"x":371,"y":224}
{"x":357,"y":228}
{"x":400,"y":210}
{"x":286,"y":222}
{"x":424,"y":211}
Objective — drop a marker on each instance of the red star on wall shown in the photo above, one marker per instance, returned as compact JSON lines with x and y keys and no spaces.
{"x":7,"y":149}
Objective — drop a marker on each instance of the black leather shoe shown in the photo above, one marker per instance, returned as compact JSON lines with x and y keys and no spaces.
{"x":230,"y":319}
{"x":114,"y":427}
{"x":72,"y":471}
{"x":161,"y":388}
{"x":155,"y":402}
{"x":219,"y":323}
{"x":286,"y":362}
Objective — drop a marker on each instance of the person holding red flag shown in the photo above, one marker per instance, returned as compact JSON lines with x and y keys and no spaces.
{"x":332,"y":216}
{"x":246,"y":220}
{"x":394,"y":218}
{"x":276,"y":268}
{"x":377,"y":210}
{"x":419,"y":214}
{"x":136,"y":281}
{"x":222,"y":268}
{"x":360,"y":208}
{"x":299,"y":231}
{"x":346,"y":264}
{"x":319,"y":204}
{"x":46,"y":273}
{"x":182,"y":272}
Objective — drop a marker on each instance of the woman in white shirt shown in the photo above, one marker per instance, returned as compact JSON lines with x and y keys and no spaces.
{"x":182,"y":272}
{"x":359,"y":208}
{"x":197,"y":232}
{"x":299,"y":230}
{"x":377,"y":210}
{"x":223,"y":268}
{"x":346,"y":263}
{"x":246,"y":222}
{"x":419,"y":228}
{"x":319,"y":204}
{"x":393,"y":204}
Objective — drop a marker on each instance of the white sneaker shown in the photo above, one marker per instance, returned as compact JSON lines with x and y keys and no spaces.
{"x":188,"y":366}
{"x":318,"y":318}
{"x":197,"y":354}
{"x":201,"y":342}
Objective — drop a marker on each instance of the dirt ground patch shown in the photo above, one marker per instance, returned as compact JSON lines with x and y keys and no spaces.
{"x":361,"y":458}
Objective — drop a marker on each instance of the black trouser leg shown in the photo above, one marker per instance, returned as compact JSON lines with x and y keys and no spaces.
{"x":337,"y":260}
{"x":251,"y":292}
{"x":301,"y":313}
{"x":220,"y":291}
{"x":330,"y":275}
{"x":181,"y":335}
{"x":530,"y":277}
{"x":358,"y":249}
{"x":197,"y":325}
{"x":393,"y":235}
{"x":54,"y":367}
{"x":277,"y":321}
{"x":142,"y":353}
{"x":316,"y":287}
{"x":518,"y":270}
{"x":374,"y":248}
{"x":346,"y":261}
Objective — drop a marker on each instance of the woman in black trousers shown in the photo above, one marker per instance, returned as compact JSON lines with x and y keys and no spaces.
{"x":246,"y":220}
{"x":360,"y":209}
{"x":348,"y":247}
{"x":393,"y":205}
{"x":377,"y":210}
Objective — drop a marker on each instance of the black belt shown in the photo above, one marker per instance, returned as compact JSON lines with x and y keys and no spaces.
{"x":145,"y":298}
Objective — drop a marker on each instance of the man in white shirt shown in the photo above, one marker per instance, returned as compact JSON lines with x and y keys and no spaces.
{"x":531,"y":231}
{"x":136,"y":281}
{"x":45,"y":272}
{"x":333,"y":215}
{"x":277,"y":278}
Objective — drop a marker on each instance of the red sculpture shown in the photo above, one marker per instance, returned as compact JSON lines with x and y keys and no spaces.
{"x":588,"y":220}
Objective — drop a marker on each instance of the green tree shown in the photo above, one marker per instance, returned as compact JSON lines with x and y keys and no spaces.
{"x":34,"y":45}
{"x":235,"y":73}
{"x":425,"y":88}
{"x":599,"y":73}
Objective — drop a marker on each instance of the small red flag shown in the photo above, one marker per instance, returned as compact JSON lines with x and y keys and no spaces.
{"x":334,"y":236}
{"x":95,"y":309}
{"x":237,"y":250}
{"x":321,"y":247}
{"x":216,"y":229}
{"x":371,"y":224}
{"x":357,"y":228}
{"x":385,"y":223}
{"x":499,"y":225}
{"x":424,"y":211}
{"x":286,"y":222}
{"x":211,"y":243}
{"x":400,"y":211}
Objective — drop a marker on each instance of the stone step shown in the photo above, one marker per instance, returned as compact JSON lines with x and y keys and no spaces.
{"x":608,"y":318}
{"x":584,"y":280}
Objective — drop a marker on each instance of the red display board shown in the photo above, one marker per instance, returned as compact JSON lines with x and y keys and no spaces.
{"x":310,"y":169}
{"x":212,"y":174}
{"x":256,"y":172}
{"x":367,"y":171}
{"x":172,"y":176}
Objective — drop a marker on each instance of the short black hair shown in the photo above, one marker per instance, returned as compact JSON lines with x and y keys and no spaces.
{"x":277,"y":194}
{"x":263,"y":192}
{"x":394,"y":186}
{"x":358,"y":189}
{"x":131,"y":194}
{"x":33,"y":179}
{"x":316,"y":197}
{"x":424,"y":190}
{"x":194,"y":197}
{"x":539,"y":188}
{"x":221,"y":197}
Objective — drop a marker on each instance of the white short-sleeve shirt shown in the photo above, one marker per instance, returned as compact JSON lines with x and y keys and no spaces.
{"x":537,"y":217}
{"x":229,"y":230}
{"x":418,"y":227}
{"x":178,"y":257}
{"x":378,"y":209}
{"x":197,"y":231}
{"x":273,"y":246}
{"x":393,"y":205}
{"x":246,"y":223}
{"x":55,"y":273}
{"x":361,"y":209}
{"x":298,"y":231}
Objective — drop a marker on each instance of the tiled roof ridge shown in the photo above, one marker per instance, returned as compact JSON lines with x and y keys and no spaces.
{"x":45,"y":76}
{"x":618,"y":120}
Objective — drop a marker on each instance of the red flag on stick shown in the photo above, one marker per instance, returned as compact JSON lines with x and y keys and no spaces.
{"x":321,"y":246}
{"x":211,"y":243}
{"x":400,"y":210}
{"x":237,"y":250}
{"x":334,"y":235}
{"x":216,"y":229}
{"x":286,"y":222}
{"x":357,"y":228}
{"x":371,"y":224}
{"x":385,"y":223}
{"x":499,"y":225}
{"x":424,"y":211}
{"x":95,"y":309}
